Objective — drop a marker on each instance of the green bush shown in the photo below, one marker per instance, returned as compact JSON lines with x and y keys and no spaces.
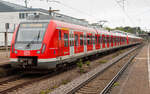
{"x":87,"y":63}
{"x":80,"y":63}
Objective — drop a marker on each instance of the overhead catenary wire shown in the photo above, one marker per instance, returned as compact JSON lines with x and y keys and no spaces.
{"x":123,"y":10}
{"x":70,"y":7}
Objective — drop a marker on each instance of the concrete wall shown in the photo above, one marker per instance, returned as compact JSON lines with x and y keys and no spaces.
{"x":12,"y":18}
{"x":8,"y":17}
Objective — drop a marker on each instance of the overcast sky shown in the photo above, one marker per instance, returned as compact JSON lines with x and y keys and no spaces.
{"x":136,"y":13}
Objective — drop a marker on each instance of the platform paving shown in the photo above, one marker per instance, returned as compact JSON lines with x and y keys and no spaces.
{"x":4,"y":58}
{"x":135,"y":80}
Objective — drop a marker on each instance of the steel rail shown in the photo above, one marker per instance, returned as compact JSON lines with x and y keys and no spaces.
{"x":52,"y":74}
{"x":110,"y":84}
{"x":70,"y":90}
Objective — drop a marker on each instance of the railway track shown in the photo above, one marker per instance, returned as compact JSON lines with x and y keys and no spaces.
{"x":111,"y":83}
{"x":99,"y":81}
{"x":96,"y":85}
{"x":19,"y":82}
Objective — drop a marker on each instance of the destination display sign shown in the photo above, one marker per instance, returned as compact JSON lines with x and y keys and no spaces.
{"x":32,"y":25}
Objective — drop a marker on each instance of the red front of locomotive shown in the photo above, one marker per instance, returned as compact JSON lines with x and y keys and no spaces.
{"x":30,"y":47}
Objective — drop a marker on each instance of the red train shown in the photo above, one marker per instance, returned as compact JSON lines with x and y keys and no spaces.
{"x":44,"y":44}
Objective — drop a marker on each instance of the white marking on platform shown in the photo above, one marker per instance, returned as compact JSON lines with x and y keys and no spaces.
{"x":148,"y":65}
{"x":141,"y":58}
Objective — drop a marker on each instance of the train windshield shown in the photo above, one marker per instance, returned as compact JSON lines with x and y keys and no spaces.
{"x":30,"y":36}
{"x":31,"y":32}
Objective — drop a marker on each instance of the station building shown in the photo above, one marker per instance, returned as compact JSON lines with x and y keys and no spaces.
{"x":13,"y":14}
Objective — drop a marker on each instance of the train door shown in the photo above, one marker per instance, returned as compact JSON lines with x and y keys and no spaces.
{"x":71,"y":43}
{"x":120,"y":40}
{"x":112,"y":40}
{"x":97,"y":43}
{"x":65,"y":42}
{"x":81,"y":46}
{"x":76,"y":42}
{"x":103,"y":41}
{"x":93,"y":36}
{"x":108,"y":41}
{"x":115,"y":41}
{"x":89,"y":42}
{"x":60,"y":45}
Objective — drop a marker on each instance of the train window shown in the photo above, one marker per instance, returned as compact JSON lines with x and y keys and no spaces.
{"x":59,"y":34}
{"x":110,"y":39}
{"x":65,"y":39}
{"x":22,"y":15}
{"x":70,"y":43}
{"x":103,"y":39}
{"x":84,"y":39}
{"x":88,"y":39}
{"x":76,"y":40}
{"x":96,"y":38}
{"x":71,"y":40}
{"x":81,"y":39}
{"x":107,"y":37}
{"x":93,"y":39}
{"x":114,"y":39}
{"x":100,"y":39}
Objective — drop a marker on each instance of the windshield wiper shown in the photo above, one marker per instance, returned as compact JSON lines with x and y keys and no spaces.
{"x":36,"y":37}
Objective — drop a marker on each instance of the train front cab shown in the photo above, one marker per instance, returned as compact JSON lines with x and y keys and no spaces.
{"x":29,"y":45}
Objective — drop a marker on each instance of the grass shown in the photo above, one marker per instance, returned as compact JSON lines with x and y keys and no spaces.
{"x":46,"y":91}
{"x":115,"y":84}
{"x":64,"y":82}
{"x":80,"y":66}
{"x":102,"y":61}
{"x":55,"y":86}
{"x":121,"y":51}
{"x":87,"y":63}
{"x":80,"y":63}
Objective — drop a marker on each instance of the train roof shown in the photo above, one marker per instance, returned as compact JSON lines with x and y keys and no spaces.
{"x":76,"y":24}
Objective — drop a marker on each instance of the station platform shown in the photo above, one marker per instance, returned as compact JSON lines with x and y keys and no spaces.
{"x":136,"y":79}
{"x":4,"y":58}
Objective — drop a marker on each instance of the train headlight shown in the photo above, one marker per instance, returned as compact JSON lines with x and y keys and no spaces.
{"x":38,"y":52}
{"x":16,"y":52}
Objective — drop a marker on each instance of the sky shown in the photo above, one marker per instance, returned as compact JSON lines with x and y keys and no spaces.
{"x":135,"y":13}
